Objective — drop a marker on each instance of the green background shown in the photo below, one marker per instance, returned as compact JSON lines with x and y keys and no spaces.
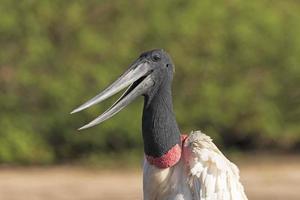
{"x":237,"y":74}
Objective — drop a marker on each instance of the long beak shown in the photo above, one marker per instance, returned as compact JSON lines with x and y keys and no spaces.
{"x":137,"y":77}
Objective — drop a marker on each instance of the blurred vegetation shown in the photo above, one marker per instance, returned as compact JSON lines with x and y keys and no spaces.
{"x":237,"y":73}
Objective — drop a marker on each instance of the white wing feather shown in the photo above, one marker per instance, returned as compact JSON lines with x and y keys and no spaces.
{"x":211,"y":175}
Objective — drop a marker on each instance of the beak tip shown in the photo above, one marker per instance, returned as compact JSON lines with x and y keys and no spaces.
{"x":75,"y":110}
{"x":89,"y":125}
{"x":82,"y":128}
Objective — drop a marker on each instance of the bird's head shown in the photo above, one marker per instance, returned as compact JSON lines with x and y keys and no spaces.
{"x":144,"y":77}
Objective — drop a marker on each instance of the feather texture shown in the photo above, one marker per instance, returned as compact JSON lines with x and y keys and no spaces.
{"x":211,"y":175}
{"x":203,"y":173}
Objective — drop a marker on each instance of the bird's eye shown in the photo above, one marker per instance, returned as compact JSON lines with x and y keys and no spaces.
{"x":156,"y":57}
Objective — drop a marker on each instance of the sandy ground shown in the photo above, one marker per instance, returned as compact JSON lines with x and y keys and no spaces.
{"x":263,"y":180}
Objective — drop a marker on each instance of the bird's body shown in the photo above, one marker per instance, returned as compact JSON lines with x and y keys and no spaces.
{"x":202,"y":173}
{"x":176,"y":167}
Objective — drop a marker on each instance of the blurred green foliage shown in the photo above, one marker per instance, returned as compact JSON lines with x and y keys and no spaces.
{"x":237,"y":73}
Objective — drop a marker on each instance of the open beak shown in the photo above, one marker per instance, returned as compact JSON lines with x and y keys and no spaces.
{"x":137,"y":77}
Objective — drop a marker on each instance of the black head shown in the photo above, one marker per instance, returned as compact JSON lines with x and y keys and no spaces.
{"x":151,"y":71}
{"x":162,"y":69}
{"x":159,"y":59}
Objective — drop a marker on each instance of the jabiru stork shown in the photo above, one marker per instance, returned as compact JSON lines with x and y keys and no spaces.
{"x":176,"y":167}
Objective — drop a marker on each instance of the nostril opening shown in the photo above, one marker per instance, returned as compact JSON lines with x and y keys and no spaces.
{"x":167,"y":65}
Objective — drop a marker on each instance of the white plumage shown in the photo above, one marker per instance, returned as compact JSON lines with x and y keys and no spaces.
{"x":203,"y":173}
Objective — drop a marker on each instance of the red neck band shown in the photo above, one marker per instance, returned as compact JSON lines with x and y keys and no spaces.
{"x":170,"y":158}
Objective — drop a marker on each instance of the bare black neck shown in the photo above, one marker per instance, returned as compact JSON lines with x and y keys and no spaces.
{"x":159,"y":126}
